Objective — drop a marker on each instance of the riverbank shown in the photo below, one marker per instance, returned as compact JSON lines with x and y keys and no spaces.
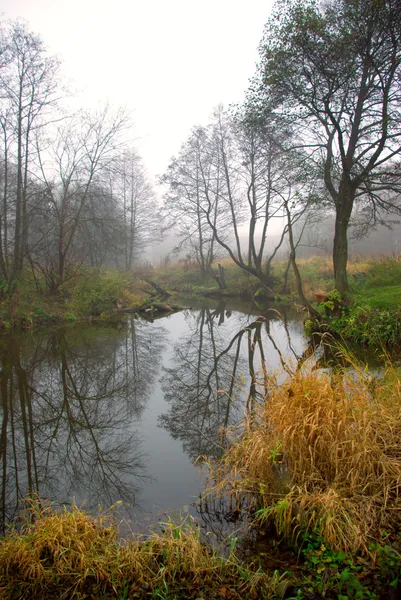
{"x":370,"y":316}
{"x":317,"y":464}
{"x":90,"y":293}
{"x":320,"y":465}
{"x":70,"y":554}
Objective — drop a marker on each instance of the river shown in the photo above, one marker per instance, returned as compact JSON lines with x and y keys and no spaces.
{"x":102,"y":412}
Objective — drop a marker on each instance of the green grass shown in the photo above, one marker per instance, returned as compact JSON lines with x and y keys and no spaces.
{"x":372,"y":316}
{"x":386,"y":297}
{"x":380,"y":285}
{"x":90,"y":293}
{"x":188,"y":280}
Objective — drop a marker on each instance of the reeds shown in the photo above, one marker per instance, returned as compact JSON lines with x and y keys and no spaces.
{"x":323,"y":453}
{"x":70,"y":554}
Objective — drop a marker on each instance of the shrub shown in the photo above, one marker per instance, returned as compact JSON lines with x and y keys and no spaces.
{"x":338,"y":469}
{"x":370,"y":326}
{"x":95,"y":293}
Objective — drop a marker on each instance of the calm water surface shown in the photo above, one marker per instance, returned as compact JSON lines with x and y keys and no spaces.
{"x":121,"y":410}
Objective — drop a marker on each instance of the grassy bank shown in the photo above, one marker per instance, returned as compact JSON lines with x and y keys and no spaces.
{"x":317,"y":465}
{"x":70,"y":554}
{"x":321,"y":463}
{"x":371,"y":317}
{"x":89,"y":293}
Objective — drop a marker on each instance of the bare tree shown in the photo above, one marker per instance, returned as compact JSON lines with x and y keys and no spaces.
{"x":250,"y":161}
{"x":84,"y":150}
{"x":140,"y":220}
{"x":28,"y":93}
{"x":223,"y":191}
{"x":194,"y":191}
{"x":99,"y":234}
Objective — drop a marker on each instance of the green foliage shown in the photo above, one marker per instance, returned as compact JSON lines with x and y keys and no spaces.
{"x":260,"y":293}
{"x":70,"y":316}
{"x":40,"y":315}
{"x":3,"y":286}
{"x":332,"y":304}
{"x":374,"y":319}
{"x":95,"y":293}
{"x":372,"y":327}
{"x":5,"y":321}
{"x":309,"y":326}
{"x":332,"y":571}
{"x":284,"y":298}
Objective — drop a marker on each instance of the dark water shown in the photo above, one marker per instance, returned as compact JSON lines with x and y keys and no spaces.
{"x":120,"y":411}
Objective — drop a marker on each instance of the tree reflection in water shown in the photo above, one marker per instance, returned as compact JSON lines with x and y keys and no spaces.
{"x":69,"y":404}
{"x":217,"y":376}
{"x":73,"y":400}
{"x":205,"y":387}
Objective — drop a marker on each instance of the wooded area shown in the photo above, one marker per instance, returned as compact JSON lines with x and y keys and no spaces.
{"x":317,"y":134}
{"x":72,"y":191}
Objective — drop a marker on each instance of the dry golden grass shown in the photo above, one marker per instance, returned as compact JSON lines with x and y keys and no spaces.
{"x":69,"y":554}
{"x":324,"y":452}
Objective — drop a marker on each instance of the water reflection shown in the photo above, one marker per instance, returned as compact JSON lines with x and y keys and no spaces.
{"x":70,"y":401}
{"x":81,"y":407}
{"x":217,"y":376}
{"x":200,"y":385}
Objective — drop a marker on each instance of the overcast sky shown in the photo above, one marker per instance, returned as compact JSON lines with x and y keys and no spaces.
{"x":170,"y":62}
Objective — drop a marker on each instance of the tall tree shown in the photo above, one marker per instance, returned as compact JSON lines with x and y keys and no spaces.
{"x":82,"y":154}
{"x":227,"y":182}
{"x":332,"y":70}
{"x":28,"y":91}
{"x":194,"y":189}
{"x":250,"y":163}
{"x":131,"y":188}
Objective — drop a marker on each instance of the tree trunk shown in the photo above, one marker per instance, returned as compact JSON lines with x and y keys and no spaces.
{"x":219,"y":277}
{"x":297,"y":274}
{"x":344,"y":207}
{"x":161,"y":291}
{"x":222,"y":276}
{"x":284,"y":289}
{"x":17,"y":268}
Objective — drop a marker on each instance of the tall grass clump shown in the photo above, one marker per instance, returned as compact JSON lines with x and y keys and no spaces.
{"x":70,"y":554}
{"x":322,"y":454}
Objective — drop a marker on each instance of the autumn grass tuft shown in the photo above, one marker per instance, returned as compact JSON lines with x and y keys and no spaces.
{"x":70,"y":554}
{"x":322,"y":454}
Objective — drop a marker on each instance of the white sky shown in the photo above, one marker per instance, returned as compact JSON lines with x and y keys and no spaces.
{"x":169,"y":62}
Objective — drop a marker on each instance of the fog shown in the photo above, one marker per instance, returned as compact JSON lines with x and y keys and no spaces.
{"x":380,"y":241}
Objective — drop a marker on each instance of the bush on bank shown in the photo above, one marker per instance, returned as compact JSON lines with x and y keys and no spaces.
{"x":321,"y":461}
{"x":90,"y":293}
